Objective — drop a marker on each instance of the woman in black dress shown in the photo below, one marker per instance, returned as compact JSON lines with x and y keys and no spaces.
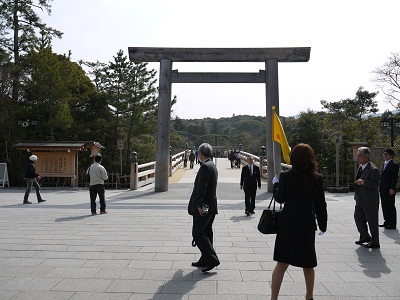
{"x":301,"y":190}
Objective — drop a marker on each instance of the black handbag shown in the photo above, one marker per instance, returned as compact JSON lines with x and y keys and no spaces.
{"x":269,"y":219}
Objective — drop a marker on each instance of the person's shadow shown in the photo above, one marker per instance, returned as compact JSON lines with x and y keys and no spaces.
{"x":373,"y":262}
{"x":236,"y":219}
{"x":64,"y":219}
{"x":393,"y":234}
{"x":180,"y":285}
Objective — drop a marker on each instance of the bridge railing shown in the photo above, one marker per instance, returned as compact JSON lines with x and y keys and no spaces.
{"x":176,"y":161}
{"x":140,"y":178}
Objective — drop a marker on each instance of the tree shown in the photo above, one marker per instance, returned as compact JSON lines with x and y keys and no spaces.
{"x":56,"y":91}
{"x":309,"y":129}
{"x":132,"y":97}
{"x":354,"y":109}
{"x":21,"y":24}
{"x":46,"y":95}
{"x":7,"y":108}
{"x":388,"y":77}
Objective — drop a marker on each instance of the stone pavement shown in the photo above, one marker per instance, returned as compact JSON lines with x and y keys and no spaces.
{"x":142,"y":248}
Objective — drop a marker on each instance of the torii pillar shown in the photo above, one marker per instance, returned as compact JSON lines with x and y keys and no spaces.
{"x":166,"y":56}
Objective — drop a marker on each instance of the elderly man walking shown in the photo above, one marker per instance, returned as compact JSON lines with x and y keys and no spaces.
{"x":367,"y":199}
{"x":203,"y":207}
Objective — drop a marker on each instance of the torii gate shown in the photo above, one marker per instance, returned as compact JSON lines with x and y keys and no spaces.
{"x":166,"y":56}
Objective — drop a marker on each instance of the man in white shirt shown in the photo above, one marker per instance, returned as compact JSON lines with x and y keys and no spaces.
{"x":97,"y":175}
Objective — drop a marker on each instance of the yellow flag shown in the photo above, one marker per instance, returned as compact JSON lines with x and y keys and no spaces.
{"x":278,"y":135}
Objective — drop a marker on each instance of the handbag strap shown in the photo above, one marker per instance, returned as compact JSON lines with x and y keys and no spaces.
{"x":273,"y":208}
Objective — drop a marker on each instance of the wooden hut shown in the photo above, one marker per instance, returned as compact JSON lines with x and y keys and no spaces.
{"x":59,"y":159}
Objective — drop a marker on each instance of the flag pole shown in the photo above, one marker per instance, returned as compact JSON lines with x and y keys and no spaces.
{"x":273,"y":142}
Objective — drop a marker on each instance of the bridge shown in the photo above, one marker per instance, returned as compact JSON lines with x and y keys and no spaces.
{"x":142,"y":248}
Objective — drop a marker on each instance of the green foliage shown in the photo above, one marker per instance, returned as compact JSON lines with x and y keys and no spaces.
{"x":130,"y":90}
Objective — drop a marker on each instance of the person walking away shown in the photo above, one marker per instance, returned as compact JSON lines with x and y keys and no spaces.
{"x":32,"y":181}
{"x":302,"y":192}
{"x":191,"y":159}
{"x":238,"y":158}
{"x":97,"y":175}
{"x":232,"y":158}
{"x":366,"y":195}
{"x":196,"y":155}
{"x":204,"y":196}
{"x":185,"y":158}
{"x":387,"y":189}
{"x":249,"y":180}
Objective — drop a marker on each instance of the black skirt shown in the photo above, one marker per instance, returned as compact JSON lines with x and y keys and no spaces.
{"x":296,"y":248}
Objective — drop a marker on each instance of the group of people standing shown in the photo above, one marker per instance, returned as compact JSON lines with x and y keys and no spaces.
{"x":193,"y":156}
{"x":234,"y":157}
{"x":369,"y":185}
{"x":299,"y":188}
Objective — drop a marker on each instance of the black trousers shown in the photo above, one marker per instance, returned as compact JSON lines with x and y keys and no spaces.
{"x":389,"y":209}
{"x":203,"y":235}
{"x":31,"y":182}
{"x":250,"y":199}
{"x":369,"y":215}
{"x":95,"y":190}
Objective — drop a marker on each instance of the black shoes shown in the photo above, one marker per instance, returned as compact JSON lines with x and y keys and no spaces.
{"x":198,"y":264}
{"x":252,"y":212}
{"x":390,"y":227}
{"x":372,"y":246}
{"x":28,"y":202}
{"x":209,"y":267}
{"x":101,"y":212}
{"x":247,"y":213}
{"x":387,"y":226}
{"x":362,"y":242}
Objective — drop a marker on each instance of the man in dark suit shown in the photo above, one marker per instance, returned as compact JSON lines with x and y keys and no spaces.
{"x":249,"y":180}
{"x":204,"y":193}
{"x":366,"y":195}
{"x":387,"y":189}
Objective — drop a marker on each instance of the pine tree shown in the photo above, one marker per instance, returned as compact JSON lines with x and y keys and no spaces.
{"x":20,"y":25}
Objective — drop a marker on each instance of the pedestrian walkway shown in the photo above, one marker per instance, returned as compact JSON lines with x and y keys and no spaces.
{"x":142,"y":248}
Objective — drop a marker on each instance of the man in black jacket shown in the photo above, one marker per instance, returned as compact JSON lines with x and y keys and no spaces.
{"x":203,"y":195}
{"x":31,"y":177}
{"x":249,"y":180}
{"x":387,"y":189}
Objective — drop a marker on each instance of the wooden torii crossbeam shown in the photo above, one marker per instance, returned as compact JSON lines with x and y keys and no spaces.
{"x":166,"y":56}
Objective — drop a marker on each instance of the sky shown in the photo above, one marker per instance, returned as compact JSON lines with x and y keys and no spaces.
{"x":348,"y":39}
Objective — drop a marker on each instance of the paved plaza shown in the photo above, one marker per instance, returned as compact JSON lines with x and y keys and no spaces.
{"x":142,"y":248}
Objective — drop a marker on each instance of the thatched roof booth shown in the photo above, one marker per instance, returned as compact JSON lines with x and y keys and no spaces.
{"x":59,"y":159}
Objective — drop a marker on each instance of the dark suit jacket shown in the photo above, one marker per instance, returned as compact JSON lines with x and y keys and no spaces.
{"x":367,"y":195}
{"x":205,"y":189}
{"x":299,"y":210}
{"x":250,"y":182}
{"x":389,"y":177}
{"x":31,"y":171}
